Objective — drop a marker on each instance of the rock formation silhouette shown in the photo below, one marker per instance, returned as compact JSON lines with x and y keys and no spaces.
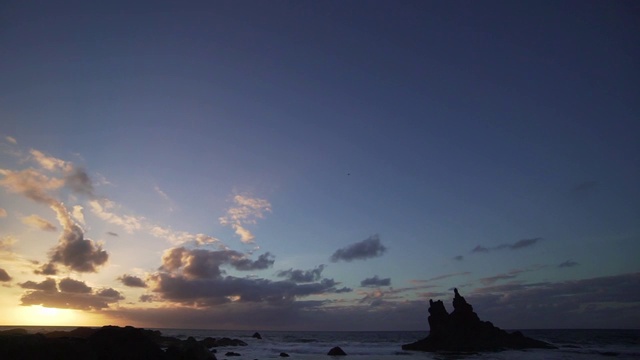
{"x":463,"y":331}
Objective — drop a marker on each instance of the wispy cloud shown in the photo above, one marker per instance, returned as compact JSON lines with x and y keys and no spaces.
{"x":181,"y":237}
{"x":3,"y":213}
{"x":508,"y":275}
{"x":245,"y":211}
{"x":79,"y":181}
{"x":11,"y":140}
{"x":164,"y":196}
{"x":520,"y":244}
{"x":39,"y":223}
{"x":77,"y":214}
{"x":104,"y":209}
{"x":161,"y":193}
{"x":568,"y":263}
{"x":365,"y":249}
{"x":49,"y":162}
{"x":31,"y":184}
{"x":440,"y":277}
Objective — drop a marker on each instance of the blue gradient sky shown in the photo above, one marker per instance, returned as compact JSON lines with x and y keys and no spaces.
{"x":490,"y":146}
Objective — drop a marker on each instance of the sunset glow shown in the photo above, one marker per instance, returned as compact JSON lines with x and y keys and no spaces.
{"x":319,"y":165}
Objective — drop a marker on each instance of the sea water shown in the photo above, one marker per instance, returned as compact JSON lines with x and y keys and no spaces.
{"x":386,"y":345}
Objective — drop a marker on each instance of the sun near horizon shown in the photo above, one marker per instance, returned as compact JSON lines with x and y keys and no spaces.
{"x":38,"y":315}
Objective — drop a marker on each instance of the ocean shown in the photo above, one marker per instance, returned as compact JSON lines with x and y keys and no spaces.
{"x":386,"y":345}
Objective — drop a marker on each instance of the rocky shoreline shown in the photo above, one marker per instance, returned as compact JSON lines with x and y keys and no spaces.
{"x":107,"y":343}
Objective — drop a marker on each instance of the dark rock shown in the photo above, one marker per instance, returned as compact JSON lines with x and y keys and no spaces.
{"x":256,"y":335}
{"x":189,"y":349}
{"x":336,"y":351}
{"x":231,"y":353}
{"x":225,"y":341}
{"x":78,"y":333}
{"x":208,"y":342}
{"x":112,"y":342}
{"x":463,"y":331}
{"x":36,"y":346}
{"x":106,"y":343}
{"x":284,"y":354}
{"x":16,"y":331}
{"x":109,"y":342}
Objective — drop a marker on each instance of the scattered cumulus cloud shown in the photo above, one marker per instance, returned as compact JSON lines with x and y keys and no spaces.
{"x":73,"y":250}
{"x":146,"y":298}
{"x":3,"y":213}
{"x":11,"y":140}
{"x":197,"y":277}
{"x":302,"y":276}
{"x":73,"y":286}
{"x":458,"y":258}
{"x":375,"y":281}
{"x":207,"y":292}
{"x":264,"y":261}
{"x":245,"y":211}
{"x":46,"y":285}
{"x":365,"y":249}
{"x":73,"y":294}
{"x":202,"y":263}
{"x":4,"y":276}
{"x":132,"y":281}
{"x":37,"y":222}
{"x":520,"y":244}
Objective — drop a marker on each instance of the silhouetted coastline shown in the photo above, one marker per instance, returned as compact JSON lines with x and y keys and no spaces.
{"x":107,"y":343}
{"x":571,"y":344}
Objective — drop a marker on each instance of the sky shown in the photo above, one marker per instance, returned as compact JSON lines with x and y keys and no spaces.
{"x":319,"y":165}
